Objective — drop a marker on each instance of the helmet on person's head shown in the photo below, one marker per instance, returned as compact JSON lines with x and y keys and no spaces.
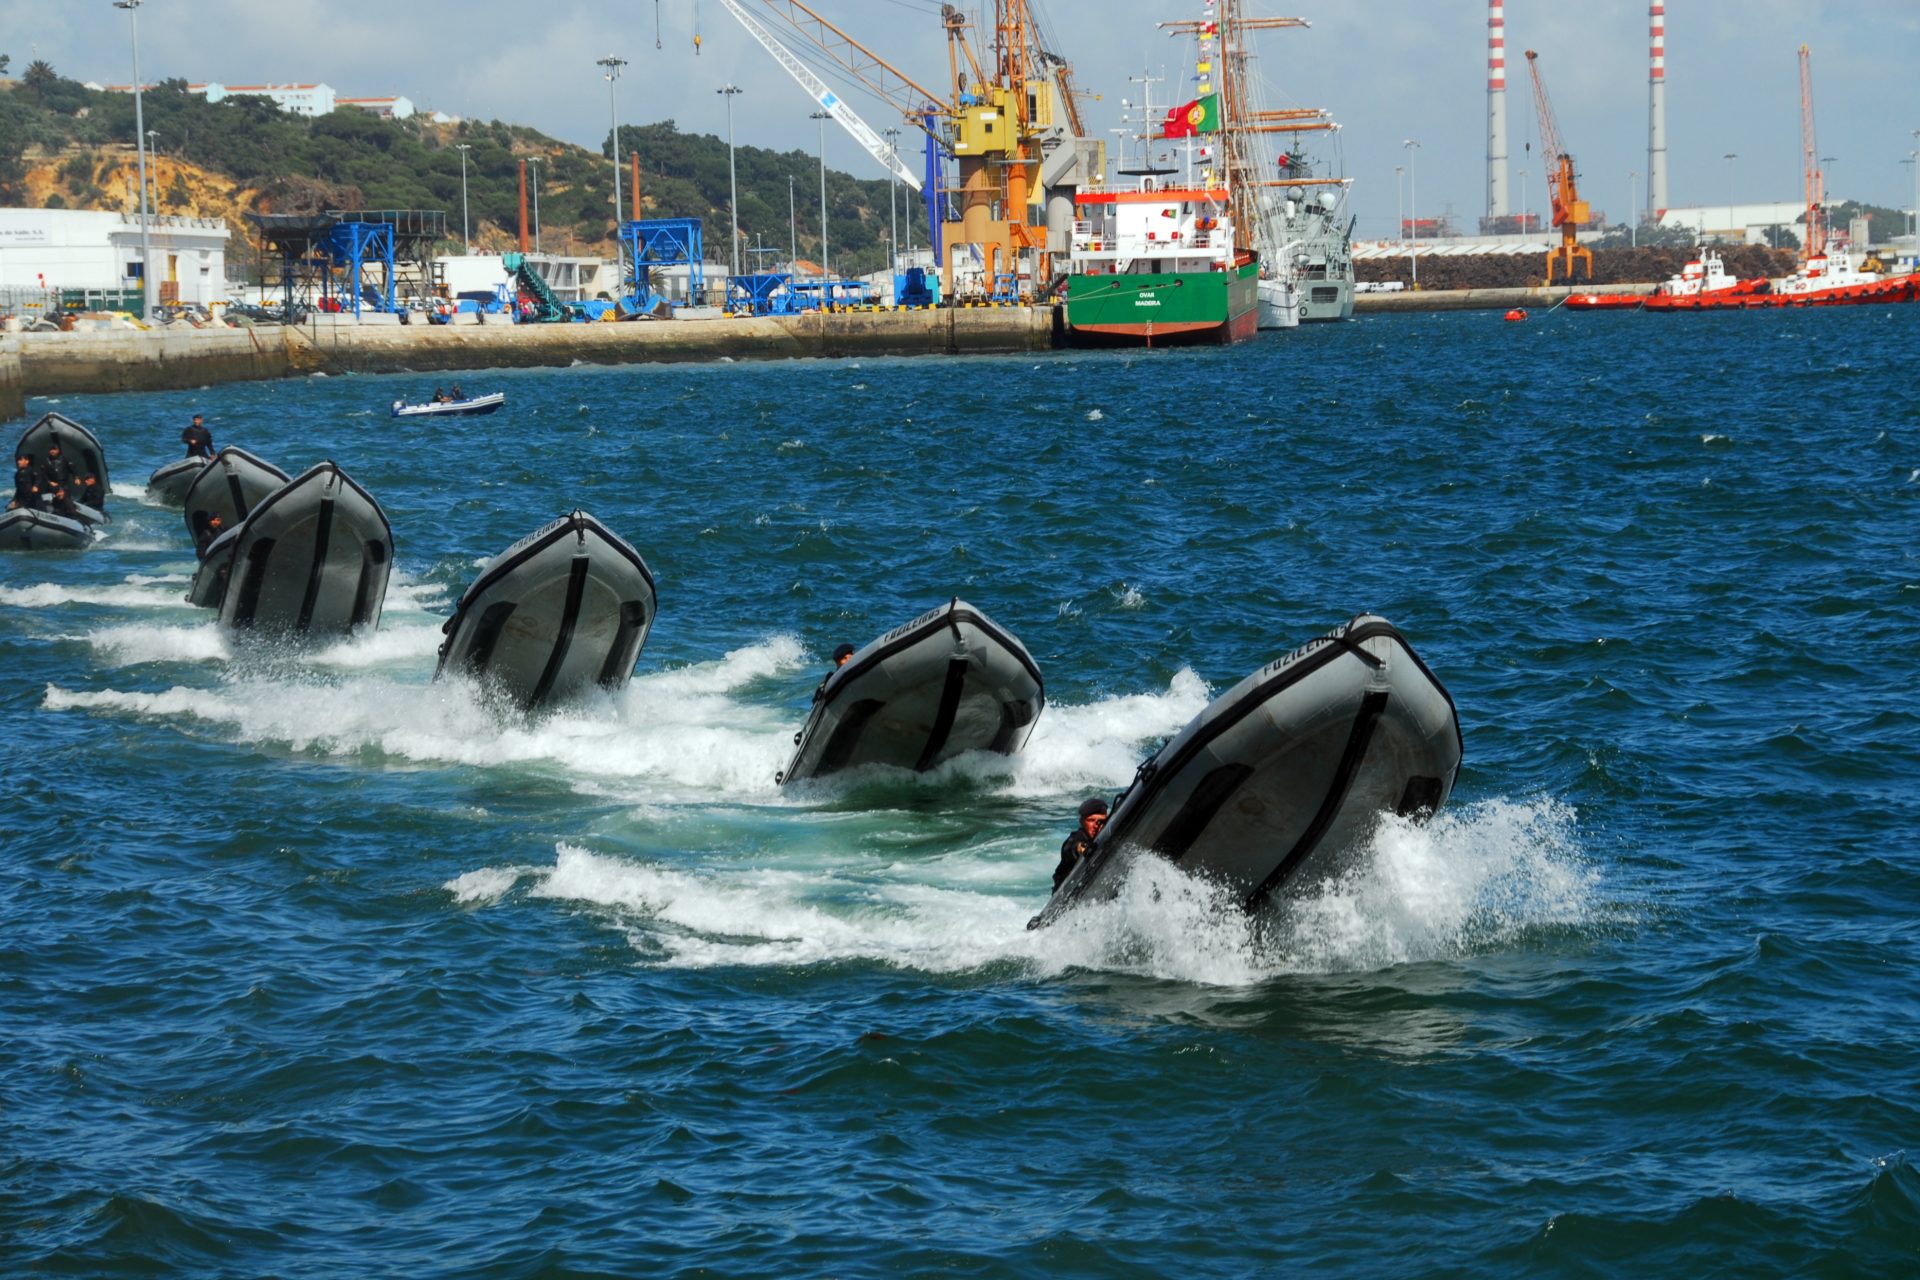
{"x":841,"y":654}
{"x":1093,"y":808}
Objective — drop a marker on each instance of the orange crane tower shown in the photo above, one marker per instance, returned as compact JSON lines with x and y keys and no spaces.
{"x":1814,"y":244}
{"x":1570,"y":212}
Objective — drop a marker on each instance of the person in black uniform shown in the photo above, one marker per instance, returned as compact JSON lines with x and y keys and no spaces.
{"x":26,"y":484}
{"x":456,"y":393}
{"x":840,"y":656}
{"x":1076,"y":847}
{"x":205,"y":529}
{"x":197,"y":438}
{"x":55,"y":471}
{"x":89,"y":492}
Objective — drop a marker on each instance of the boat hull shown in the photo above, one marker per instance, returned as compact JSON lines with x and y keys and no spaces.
{"x":948,"y":682}
{"x":168,"y":485}
{"x":1279,"y":304}
{"x":228,"y":487}
{"x":24,"y":529}
{"x":312,"y":558}
{"x":1173,"y":308}
{"x":564,"y":609}
{"x":1605,"y":301}
{"x":1323,"y":301}
{"x":1270,"y":788}
{"x":477,"y":407}
{"x":1873,"y":293}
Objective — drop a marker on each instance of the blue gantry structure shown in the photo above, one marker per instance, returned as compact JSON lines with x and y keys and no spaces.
{"x":652,"y":244}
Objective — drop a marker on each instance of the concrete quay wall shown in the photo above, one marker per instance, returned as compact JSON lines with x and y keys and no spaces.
{"x":173,"y":359}
{"x":13,"y":392}
{"x":1479,"y":299}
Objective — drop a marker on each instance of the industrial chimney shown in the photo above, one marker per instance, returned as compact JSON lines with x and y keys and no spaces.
{"x":1657,"y":113}
{"x":1497,"y":203}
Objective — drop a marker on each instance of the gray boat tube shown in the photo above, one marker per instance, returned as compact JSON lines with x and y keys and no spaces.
{"x":948,"y":682}
{"x":1268,"y":789}
{"x":229,"y":487}
{"x":312,"y":558}
{"x":216,"y":566}
{"x":26,"y":529}
{"x":79,"y":446}
{"x":565,"y":608}
{"x":169,"y":482}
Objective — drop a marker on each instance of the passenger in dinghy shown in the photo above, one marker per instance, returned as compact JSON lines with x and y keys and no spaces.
{"x":840,"y":656}
{"x":90,"y":491}
{"x":26,"y":490}
{"x":456,"y":393}
{"x":1076,"y":847}
{"x":205,"y":529}
{"x":55,"y":471}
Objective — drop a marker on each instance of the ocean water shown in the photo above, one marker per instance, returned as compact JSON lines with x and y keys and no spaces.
{"x":311,"y":966}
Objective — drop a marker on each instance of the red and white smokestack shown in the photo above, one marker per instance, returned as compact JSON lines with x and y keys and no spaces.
{"x":1498,"y":204}
{"x":1657,"y":112}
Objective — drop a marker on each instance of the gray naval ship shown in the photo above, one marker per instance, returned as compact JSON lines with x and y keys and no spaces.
{"x":1307,"y":237}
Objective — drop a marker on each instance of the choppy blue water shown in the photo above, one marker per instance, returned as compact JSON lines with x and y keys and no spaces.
{"x":309,"y":966}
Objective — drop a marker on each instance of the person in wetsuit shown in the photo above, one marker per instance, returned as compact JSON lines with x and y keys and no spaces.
{"x":197,"y":438}
{"x":456,"y":393}
{"x":205,"y":529}
{"x":1076,"y":847}
{"x":89,"y":491}
{"x":840,"y":656}
{"x":55,"y":471}
{"x":26,"y":484}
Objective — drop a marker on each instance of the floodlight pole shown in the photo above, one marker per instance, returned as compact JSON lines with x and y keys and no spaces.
{"x":733,"y":186}
{"x":612,"y":75}
{"x":139,"y":141}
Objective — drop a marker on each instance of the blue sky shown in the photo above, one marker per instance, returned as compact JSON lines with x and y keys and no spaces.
{"x":1389,"y":69}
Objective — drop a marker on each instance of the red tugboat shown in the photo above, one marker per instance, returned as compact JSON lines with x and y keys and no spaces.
{"x":1820,"y":281}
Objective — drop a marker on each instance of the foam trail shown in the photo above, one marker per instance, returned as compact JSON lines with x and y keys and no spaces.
{"x":681,"y":731}
{"x":133,"y":645}
{"x":1472,"y":880}
{"x":144,"y":593}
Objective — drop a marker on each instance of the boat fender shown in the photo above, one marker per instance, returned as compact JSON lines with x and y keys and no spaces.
{"x":1517,"y":313}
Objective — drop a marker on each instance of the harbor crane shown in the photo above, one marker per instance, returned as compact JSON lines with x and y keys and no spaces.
{"x":830,"y":102}
{"x":1814,"y":244}
{"x":1570,"y":212}
{"x":996,"y":120}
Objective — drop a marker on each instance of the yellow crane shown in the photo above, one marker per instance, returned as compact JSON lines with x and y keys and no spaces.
{"x":1570,"y":212}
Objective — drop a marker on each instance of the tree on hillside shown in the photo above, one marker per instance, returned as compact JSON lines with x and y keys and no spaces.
{"x":40,"y":76}
{"x":4,"y":60}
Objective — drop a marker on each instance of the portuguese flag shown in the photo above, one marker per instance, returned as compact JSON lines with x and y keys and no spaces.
{"x":1202,"y":115}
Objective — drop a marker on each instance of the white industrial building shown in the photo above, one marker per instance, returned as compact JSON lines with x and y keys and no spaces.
{"x":63,"y":249}
{"x":393,"y":108}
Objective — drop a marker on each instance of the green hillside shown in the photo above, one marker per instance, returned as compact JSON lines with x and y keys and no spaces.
{"x":272,"y":160}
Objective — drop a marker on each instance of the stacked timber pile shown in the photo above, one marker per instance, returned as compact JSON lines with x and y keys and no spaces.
{"x":1610,"y":266}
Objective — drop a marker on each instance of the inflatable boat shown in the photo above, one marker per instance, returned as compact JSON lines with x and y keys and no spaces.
{"x":82,"y":450}
{"x":25,"y":529}
{"x":312,"y":557}
{"x":948,"y":682}
{"x":168,"y":484}
{"x":228,"y":487}
{"x":1270,"y":787}
{"x":471,"y":407}
{"x":566,"y":607}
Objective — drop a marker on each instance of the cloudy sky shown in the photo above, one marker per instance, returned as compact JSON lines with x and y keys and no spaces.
{"x":1389,"y":70}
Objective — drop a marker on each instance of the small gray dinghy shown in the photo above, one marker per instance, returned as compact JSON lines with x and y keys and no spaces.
{"x":312,"y":558}
{"x":169,"y":483}
{"x":1270,"y":787}
{"x":25,"y":529}
{"x":948,"y":682}
{"x":83,"y":453}
{"x":226,"y":489}
{"x":565,"y":608}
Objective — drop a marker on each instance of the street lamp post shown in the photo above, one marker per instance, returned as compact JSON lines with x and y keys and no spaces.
{"x":153,"y":150}
{"x":612,"y":75}
{"x":465,"y":233}
{"x":822,"y":117}
{"x":1730,"y":157}
{"x":793,"y":228}
{"x":1400,"y":206}
{"x":139,"y":136}
{"x":532,"y":163}
{"x":1913,"y":158}
{"x":733,"y":188}
{"x":1525,"y":212}
{"x":1633,"y":207}
{"x":1413,"y":204}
